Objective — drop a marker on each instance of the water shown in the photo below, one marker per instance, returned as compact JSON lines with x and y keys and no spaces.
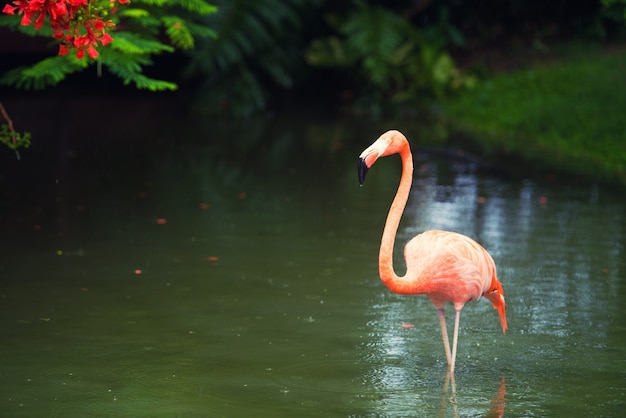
{"x":180,"y":267}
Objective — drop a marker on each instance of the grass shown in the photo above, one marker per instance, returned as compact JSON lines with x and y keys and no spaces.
{"x":569,"y":113}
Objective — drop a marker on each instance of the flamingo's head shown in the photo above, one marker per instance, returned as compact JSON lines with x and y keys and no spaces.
{"x":496,"y":296}
{"x":391,"y":142}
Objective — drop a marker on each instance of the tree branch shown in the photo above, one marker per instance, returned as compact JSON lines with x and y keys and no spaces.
{"x":5,"y":115}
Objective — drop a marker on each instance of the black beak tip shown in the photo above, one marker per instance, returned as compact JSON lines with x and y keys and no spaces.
{"x":362,"y":170}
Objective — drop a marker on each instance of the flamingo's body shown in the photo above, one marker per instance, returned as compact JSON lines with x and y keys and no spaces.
{"x":446,"y":266}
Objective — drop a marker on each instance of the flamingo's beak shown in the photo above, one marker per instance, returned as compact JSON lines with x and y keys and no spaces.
{"x":362,"y":170}
{"x":369,"y":156}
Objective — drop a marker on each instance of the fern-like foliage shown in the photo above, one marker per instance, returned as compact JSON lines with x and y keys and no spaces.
{"x":257,"y":49}
{"x":131,"y":70}
{"x":138,"y":36}
{"x":133,"y":44}
{"x":198,"y":6}
{"x":374,"y":35}
{"x":47,"y":72}
{"x":180,"y":35}
{"x":396,"y":63}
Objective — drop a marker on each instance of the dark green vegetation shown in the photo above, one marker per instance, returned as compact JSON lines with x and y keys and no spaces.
{"x":566,"y":114}
{"x":258,"y":52}
{"x":388,"y":60}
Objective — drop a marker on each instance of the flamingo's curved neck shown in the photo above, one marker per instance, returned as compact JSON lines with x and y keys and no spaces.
{"x":385,"y":257}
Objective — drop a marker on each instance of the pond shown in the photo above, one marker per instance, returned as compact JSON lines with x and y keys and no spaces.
{"x":169,"y":266}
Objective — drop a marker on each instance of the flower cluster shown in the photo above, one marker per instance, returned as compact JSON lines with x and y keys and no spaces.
{"x":79,"y":24}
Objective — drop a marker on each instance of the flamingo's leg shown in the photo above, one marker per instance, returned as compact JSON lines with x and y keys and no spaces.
{"x":444,"y":335}
{"x":457,"y":318}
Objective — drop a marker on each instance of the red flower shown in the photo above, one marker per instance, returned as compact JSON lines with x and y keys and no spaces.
{"x":76,"y":23}
{"x":63,"y":49}
{"x":8,"y":9}
{"x":92,"y":52}
{"x":39,"y":21}
{"x":57,"y":10}
{"x":106,"y":39}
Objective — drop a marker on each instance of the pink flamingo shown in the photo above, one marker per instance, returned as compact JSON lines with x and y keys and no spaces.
{"x":445,"y":266}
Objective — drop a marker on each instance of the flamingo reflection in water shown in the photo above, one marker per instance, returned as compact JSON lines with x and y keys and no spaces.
{"x":497,"y":404}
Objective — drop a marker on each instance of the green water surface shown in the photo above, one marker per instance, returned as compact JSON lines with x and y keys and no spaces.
{"x":195,"y":271}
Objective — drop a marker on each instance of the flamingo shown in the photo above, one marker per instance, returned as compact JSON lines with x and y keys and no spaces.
{"x":445,"y":266}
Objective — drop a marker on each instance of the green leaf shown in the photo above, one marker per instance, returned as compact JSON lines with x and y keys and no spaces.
{"x":198,"y":6}
{"x":200,"y":31}
{"x":134,"y":44}
{"x":130,"y":70}
{"x":179,"y":34}
{"x":158,"y":3}
{"x":47,"y":72}
{"x":145,"y":83}
{"x":8,"y":137}
{"x":329,"y":52}
{"x":134,"y":13}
